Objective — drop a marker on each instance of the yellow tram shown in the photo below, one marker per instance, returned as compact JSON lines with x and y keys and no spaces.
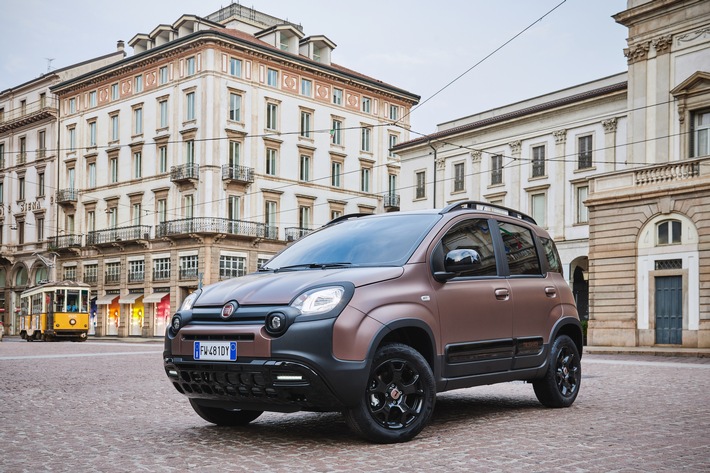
{"x":55,"y":310}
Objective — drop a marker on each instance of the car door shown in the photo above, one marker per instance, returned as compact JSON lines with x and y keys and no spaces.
{"x":533,"y":292}
{"x":475,"y":310}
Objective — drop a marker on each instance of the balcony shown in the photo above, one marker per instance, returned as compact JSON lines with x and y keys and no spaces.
{"x":391,"y":202}
{"x":185,"y":173}
{"x":136,"y":276}
{"x":28,"y":114}
{"x":188,"y":273}
{"x":65,"y":241}
{"x":238,"y":174}
{"x":118,"y":235}
{"x":294,"y":233}
{"x":21,"y":159}
{"x":112,"y":278}
{"x":187,"y":226}
{"x":161,"y":275}
{"x":67,"y":196}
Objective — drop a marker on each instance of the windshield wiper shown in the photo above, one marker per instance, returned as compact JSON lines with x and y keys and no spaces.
{"x":295,"y":267}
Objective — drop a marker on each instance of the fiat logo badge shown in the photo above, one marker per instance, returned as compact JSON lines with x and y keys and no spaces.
{"x":228,"y":309}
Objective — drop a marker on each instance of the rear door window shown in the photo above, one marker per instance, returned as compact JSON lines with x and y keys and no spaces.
{"x":519,"y":247}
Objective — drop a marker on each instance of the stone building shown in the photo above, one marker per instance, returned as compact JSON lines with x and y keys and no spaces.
{"x":615,"y":169}
{"x":28,"y":162}
{"x":203,"y":153}
{"x":650,"y":224}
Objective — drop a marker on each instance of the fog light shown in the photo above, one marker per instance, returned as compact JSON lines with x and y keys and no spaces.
{"x":276,"y":323}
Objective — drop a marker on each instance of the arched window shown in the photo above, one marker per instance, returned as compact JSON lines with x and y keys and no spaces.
{"x":668,"y":232}
{"x":21,"y":277}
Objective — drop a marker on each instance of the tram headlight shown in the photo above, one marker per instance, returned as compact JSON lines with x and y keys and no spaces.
{"x":72,"y":321}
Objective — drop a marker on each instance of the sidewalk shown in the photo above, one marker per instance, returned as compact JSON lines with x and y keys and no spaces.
{"x":649,"y":351}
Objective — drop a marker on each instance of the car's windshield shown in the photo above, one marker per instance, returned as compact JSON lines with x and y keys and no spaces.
{"x":377,"y":241}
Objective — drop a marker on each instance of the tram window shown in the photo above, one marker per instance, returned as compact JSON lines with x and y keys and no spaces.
{"x":59,"y":301}
{"x":84,"y":300}
{"x":72,"y":301}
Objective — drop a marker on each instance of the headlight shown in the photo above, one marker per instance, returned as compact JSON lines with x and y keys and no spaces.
{"x":319,"y":301}
{"x":190,"y":300}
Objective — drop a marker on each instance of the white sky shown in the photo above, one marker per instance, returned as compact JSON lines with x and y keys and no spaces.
{"x":419,"y":46}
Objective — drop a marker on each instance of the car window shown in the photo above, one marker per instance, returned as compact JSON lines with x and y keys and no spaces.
{"x":386,"y":240}
{"x":553,"y":258}
{"x":519,"y":245}
{"x":473,"y":234}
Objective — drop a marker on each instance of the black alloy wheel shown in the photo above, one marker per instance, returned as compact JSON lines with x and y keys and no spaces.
{"x":560,"y":386}
{"x":399,"y":398}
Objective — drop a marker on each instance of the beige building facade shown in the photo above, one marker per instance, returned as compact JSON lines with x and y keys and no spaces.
{"x":202,"y":154}
{"x":650,"y":225}
{"x":28,"y":161}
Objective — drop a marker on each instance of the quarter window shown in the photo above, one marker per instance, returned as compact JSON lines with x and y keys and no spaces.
{"x":520,"y":250}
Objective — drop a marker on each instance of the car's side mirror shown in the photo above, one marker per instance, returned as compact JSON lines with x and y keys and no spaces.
{"x":457,"y":262}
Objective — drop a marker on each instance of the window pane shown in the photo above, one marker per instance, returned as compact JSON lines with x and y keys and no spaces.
{"x":519,"y":249}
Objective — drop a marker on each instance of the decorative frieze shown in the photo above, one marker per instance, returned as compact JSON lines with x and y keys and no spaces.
{"x":688,"y":37}
{"x":476,"y":156}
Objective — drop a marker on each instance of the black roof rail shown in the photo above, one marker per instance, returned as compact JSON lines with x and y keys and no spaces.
{"x":475,"y":205}
{"x":345,"y":217}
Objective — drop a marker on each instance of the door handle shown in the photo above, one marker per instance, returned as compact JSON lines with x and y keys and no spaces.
{"x":550,"y":291}
{"x":502,"y":294}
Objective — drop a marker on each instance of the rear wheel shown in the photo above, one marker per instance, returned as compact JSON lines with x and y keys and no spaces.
{"x":399,"y":398}
{"x":224,"y":417}
{"x":560,"y":386}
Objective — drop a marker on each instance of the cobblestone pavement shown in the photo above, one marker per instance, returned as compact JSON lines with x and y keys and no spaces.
{"x":108,"y":407}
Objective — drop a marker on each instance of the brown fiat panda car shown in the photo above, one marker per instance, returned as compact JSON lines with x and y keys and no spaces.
{"x":374,"y":315}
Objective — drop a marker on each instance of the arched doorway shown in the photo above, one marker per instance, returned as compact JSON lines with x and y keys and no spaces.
{"x":579,"y":269}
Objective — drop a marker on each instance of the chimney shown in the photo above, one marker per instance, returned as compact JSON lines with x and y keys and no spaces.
{"x":120,"y":46}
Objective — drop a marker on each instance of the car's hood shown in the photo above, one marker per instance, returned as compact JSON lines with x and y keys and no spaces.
{"x":282,"y":287}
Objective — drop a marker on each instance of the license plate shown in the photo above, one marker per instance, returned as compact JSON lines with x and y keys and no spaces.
{"x":216,"y":351}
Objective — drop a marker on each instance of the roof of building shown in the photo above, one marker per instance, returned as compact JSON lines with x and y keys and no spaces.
{"x":515,"y":114}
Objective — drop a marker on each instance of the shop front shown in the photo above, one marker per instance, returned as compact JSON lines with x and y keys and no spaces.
{"x":135,"y":312}
{"x":108,"y":314}
{"x":160,"y":302}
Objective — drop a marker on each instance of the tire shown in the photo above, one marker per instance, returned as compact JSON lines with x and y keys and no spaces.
{"x":560,"y":386}
{"x":399,"y":398}
{"x":224,"y":417}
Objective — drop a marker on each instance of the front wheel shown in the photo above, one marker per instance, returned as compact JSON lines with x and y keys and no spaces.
{"x":399,"y":398}
{"x":560,"y":386}
{"x":224,"y":417}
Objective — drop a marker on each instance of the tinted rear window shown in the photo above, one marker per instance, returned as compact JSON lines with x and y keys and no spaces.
{"x":369,"y":241}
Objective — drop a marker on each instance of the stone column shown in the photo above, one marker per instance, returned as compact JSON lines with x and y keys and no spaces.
{"x":557,"y":169}
{"x":610,"y":141}
{"x":515,"y":182}
{"x":476,"y":193}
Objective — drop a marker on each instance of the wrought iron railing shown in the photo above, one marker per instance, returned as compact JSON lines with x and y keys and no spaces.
{"x":391,"y":200}
{"x":67,"y":195}
{"x":210,"y":225}
{"x":237,"y":173}
{"x":161,"y":275}
{"x":132,"y":233}
{"x":188,"y":273}
{"x":65,"y":241}
{"x":294,"y":233}
{"x":185,"y":172}
{"x":136,"y":276}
